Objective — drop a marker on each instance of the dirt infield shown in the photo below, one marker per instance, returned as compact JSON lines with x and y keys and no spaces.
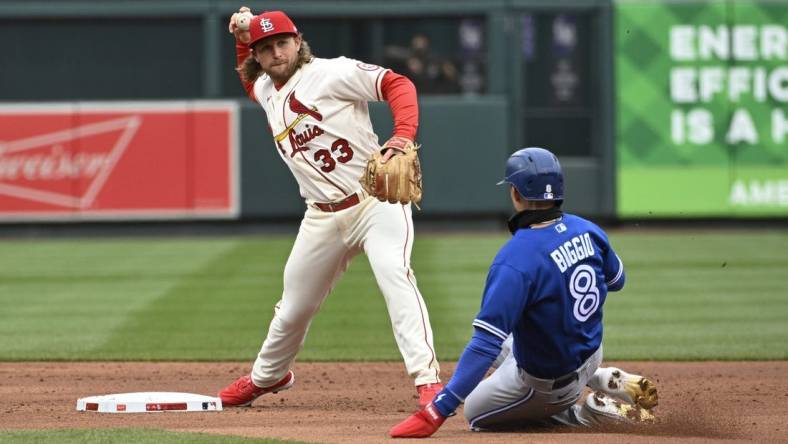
{"x":358,"y":402}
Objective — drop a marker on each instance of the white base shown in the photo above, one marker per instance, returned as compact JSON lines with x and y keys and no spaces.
{"x":147,"y":402}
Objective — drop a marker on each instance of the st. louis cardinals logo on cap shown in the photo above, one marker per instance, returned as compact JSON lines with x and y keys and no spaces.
{"x":266,"y":24}
{"x":270,"y":23}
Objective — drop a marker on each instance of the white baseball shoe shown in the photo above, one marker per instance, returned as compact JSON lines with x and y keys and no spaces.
{"x":605,"y":409}
{"x":633,"y":389}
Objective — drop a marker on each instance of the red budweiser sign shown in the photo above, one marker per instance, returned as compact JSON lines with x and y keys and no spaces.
{"x":119,"y":161}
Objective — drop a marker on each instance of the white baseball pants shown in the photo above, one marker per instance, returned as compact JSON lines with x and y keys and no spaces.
{"x":323,"y":249}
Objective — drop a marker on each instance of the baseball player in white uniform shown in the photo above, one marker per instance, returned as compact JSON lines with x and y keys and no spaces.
{"x":317,"y":112}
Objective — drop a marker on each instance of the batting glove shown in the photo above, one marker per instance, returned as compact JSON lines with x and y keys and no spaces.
{"x":421,"y":424}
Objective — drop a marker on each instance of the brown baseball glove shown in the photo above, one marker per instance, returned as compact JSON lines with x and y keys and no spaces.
{"x":394,"y":178}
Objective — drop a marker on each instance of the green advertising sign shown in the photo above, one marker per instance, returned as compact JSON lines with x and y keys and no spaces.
{"x":702,"y":122}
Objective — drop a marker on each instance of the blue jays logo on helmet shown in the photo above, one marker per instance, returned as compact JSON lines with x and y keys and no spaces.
{"x":536,"y":174}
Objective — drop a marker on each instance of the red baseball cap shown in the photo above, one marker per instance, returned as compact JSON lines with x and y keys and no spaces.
{"x":270,"y":23}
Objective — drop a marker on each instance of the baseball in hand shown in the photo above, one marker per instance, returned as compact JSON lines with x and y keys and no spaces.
{"x":243,"y":20}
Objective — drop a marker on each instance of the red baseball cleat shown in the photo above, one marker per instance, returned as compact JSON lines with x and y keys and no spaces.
{"x":421,"y":424}
{"x":243,"y":391}
{"x":427,"y":392}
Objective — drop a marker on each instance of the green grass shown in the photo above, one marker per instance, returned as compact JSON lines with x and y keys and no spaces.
{"x":689,"y":296}
{"x":137,"y":436}
{"x":696,"y":296}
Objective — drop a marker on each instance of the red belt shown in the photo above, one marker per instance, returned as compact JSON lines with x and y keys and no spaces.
{"x":332,"y":207}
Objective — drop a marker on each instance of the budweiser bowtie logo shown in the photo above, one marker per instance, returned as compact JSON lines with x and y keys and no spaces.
{"x":66,"y":168}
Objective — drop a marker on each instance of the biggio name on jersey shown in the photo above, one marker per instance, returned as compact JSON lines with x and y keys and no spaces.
{"x":573,"y":251}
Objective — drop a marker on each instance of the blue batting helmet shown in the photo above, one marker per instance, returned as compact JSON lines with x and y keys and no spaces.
{"x":536,"y":174}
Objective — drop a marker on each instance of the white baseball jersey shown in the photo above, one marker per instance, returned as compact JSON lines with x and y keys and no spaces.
{"x":321,"y":125}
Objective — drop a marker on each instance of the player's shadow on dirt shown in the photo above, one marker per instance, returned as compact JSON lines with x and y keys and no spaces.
{"x":688,"y":425}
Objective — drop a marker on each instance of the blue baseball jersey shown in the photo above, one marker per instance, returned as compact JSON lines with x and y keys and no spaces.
{"x":547,"y":287}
